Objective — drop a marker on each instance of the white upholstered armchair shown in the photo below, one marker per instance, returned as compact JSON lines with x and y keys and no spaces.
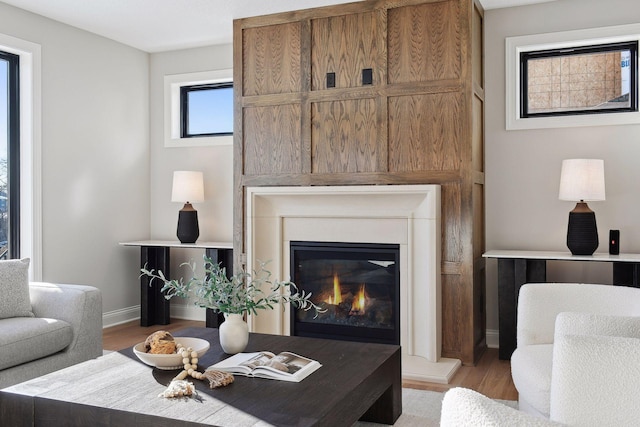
{"x":578,"y":352}
{"x":577,"y":362}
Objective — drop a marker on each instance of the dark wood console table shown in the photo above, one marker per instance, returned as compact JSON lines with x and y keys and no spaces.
{"x":515,"y":268}
{"x":154,"y":307}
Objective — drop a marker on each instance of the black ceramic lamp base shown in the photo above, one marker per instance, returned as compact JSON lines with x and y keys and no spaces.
{"x":582,"y":233}
{"x":188,"y":230}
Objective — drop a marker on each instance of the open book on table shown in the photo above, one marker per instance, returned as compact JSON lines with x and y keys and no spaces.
{"x":284,"y":366}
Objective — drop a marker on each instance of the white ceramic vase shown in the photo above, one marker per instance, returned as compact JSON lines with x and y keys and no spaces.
{"x":234,"y":333}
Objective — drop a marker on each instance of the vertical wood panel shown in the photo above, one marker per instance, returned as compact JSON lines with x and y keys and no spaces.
{"x":479,"y":304}
{"x":344,"y":136}
{"x":477,"y":135}
{"x":424,"y":42}
{"x":271,"y":59}
{"x":305,"y":106}
{"x":345,"y":45}
{"x":478,"y":43}
{"x":451,"y":242}
{"x":272,"y":140}
{"x":454,"y":314}
{"x":478,"y":220}
{"x":424,"y":132}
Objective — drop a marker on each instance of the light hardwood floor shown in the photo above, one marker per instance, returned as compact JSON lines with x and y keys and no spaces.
{"x":491,"y":376}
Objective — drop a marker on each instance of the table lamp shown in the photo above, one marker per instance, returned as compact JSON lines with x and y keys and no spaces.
{"x":188,"y":187}
{"x":582,"y":180}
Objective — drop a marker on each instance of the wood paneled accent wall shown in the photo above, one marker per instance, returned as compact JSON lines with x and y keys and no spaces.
{"x":420,"y":121}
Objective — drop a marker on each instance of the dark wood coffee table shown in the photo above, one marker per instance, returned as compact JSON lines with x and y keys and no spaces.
{"x":356,"y":381}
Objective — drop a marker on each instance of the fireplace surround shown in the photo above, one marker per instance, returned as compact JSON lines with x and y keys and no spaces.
{"x":403,"y":215}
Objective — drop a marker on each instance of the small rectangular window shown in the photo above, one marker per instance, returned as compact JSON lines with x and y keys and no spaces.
{"x":579,"y":80}
{"x":206,"y":110}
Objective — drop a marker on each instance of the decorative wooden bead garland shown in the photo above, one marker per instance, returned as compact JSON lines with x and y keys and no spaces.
{"x":190,"y":360}
{"x":179,"y":387}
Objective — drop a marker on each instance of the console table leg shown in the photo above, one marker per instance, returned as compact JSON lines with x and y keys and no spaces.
{"x":154,"y":307}
{"x":224,"y":257}
{"x":626,"y":274}
{"x":506,"y":307}
{"x":512,"y":274}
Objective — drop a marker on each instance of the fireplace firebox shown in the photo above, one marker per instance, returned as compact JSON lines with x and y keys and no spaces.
{"x":357,"y":283}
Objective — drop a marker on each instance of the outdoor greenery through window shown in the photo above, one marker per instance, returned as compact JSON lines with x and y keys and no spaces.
{"x":206,"y":110}
{"x":9,"y":159}
{"x":579,"y":80}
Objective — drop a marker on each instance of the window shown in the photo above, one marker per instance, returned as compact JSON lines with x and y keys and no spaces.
{"x":30,"y":160}
{"x":579,"y":80}
{"x":572,"y":78}
{"x":198,"y":109}
{"x":9,"y":156}
{"x":206,"y":110}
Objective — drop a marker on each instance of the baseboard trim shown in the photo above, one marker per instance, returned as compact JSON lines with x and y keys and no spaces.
{"x":188,"y":312}
{"x":123,"y":315}
{"x":493,"y":338}
{"x":129,"y":314}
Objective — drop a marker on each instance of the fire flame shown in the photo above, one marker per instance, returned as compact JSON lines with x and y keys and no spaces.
{"x":337,"y":293}
{"x":358,"y":302}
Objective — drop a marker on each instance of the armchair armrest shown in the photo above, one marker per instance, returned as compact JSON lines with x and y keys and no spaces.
{"x":595,"y":380}
{"x":540,"y":303}
{"x":79,"y":305}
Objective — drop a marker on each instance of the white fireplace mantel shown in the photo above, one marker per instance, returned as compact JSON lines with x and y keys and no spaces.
{"x":407,"y":215}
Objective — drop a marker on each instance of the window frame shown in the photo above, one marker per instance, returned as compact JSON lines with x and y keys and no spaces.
{"x":514,"y":46}
{"x":631,"y":46}
{"x":30,"y":149}
{"x":13,"y":152}
{"x":184,"y":108}
{"x":172,"y":117}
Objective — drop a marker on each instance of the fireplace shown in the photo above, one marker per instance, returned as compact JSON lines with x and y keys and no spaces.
{"x":357,"y":283}
{"x":407,"y":216}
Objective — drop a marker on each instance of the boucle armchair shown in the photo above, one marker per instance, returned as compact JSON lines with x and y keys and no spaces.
{"x":560,"y":313}
{"x":594,"y":380}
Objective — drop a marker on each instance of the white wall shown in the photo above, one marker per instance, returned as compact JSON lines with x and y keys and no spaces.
{"x":95,"y":158}
{"x":523,"y":167}
{"x":215,"y":214}
{"x":107,"y":176}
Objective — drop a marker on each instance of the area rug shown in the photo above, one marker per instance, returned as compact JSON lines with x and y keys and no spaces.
{"x":421,"y":408}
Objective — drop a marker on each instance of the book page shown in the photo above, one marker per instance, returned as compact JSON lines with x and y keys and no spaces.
{"x":260,"y":359}
{"x":288,"y":363}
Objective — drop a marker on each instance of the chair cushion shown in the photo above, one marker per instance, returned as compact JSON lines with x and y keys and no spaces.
{"x":14,"y":287}
{"x":531,"y":371}
{"x":23,"y":339}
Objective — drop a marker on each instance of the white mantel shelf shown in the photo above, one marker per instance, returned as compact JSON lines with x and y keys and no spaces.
{"x":561,"y":256}
{"x":177,"y":244}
